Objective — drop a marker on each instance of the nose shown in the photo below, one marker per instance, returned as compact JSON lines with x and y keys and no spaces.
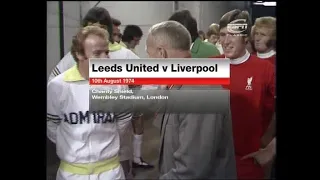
{"x":257,"y":38}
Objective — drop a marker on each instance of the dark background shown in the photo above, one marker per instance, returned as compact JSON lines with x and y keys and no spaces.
{"x":259,"y":11}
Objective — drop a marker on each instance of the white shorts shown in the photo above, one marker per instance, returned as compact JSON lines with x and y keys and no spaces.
{"x":113,"y":174}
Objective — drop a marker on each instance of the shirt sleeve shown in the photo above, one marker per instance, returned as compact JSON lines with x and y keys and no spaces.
{"x":53,"y":110}
{"x":64,"y":64}
{"x":271,"y":80}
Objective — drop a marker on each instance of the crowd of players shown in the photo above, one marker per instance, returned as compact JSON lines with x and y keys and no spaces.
{"x":193,"y":146}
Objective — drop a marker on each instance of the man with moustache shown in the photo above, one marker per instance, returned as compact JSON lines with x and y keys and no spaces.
{"x":251,"y":82}
{"x":185,"y":153}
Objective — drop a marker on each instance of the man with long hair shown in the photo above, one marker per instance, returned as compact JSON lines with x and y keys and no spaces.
{"x":264,"y":37}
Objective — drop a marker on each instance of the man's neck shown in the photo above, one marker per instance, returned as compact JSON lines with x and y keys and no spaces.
{"x":84,"y":71}
{"x":266,"y":54}
{"x":128,"y":45}
{"x":241,"y":59}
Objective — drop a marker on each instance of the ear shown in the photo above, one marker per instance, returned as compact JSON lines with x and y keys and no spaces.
{"x":80,"y":57}
{"x":162,"y":53}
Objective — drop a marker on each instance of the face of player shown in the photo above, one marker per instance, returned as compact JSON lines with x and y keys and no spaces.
{"x":233,"y":45}
{"x":154,"y":51}
{"x":94,"y":47}
{"x":116,"y":34}
{"x":213,"y":39}
{"x":262,"y":36}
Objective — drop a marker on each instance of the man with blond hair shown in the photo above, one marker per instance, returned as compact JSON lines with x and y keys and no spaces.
{"x":184,"y":152}
{"x":100,"y":16}
{"x":264,"y":36}
{"x":213,"y":36}
{"x":87,"y":147}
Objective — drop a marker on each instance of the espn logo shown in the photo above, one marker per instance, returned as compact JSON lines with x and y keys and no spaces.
{"x":237,"y":26}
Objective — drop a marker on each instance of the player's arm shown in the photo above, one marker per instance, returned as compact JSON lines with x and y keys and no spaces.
{"x":53,"y":109}
{"x":199,"y":137}
{"x":64,"y":64}
{"x":270,"y":84}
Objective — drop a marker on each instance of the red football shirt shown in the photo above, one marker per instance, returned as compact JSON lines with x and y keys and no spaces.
{"x":269,"y":101}
{"x":250,"y":82}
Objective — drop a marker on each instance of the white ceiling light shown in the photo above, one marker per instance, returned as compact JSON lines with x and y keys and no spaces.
{"x":265,"y":3}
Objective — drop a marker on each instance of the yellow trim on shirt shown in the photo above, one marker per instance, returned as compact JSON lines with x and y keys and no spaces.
{"x":124,"y":45}
{"x":72,"y":75}
{"x":114,"y":47}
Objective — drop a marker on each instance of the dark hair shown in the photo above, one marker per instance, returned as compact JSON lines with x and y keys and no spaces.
{"x":130,"y":32}
{"x":201,"y":33}
{"x":116,"y":22}
{"x":233,"y":15}
{"x":99,"y":15}
{"x":185,"y":18}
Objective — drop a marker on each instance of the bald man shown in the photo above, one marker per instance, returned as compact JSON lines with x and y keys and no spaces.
{"x":194,"y":146}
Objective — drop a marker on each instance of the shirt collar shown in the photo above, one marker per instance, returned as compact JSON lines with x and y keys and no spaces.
{"x":114,"y":46}
{"x":191,"y":46}
{"x":267,"y":54}
{"x":73,"y":75}
{"x":241,"y":59}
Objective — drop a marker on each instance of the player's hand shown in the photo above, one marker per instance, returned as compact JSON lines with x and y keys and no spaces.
{"x":262,"y":157}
